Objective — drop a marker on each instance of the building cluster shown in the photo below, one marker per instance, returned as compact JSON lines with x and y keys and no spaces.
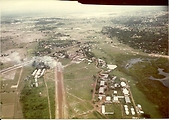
{"x":77,"y":57}
{"x":139,"y":109}
{"x":114,"y":91}
{"x":101,"y":63}
{"x":60,"y":54}
{"x":37,"y":74}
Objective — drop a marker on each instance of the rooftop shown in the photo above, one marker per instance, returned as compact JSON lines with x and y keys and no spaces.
{"x":112,"y":67}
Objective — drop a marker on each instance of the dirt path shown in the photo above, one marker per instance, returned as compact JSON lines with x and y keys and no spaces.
{"x":17,"y":96}
{"x":19,"y":77}
{"x":158,"y":55}
{"x":60,"y":97}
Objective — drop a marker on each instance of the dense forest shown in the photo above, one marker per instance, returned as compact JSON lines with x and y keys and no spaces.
{"x":147,"y":41}
{"x":147,"y":33}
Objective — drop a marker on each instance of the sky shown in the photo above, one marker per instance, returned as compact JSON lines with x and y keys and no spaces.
{"x":60,"y":7}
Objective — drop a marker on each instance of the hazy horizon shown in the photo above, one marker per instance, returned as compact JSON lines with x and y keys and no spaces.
{"x":63,"y":8}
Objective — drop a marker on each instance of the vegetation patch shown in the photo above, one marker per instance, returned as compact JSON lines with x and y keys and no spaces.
{"x":34,"y":105}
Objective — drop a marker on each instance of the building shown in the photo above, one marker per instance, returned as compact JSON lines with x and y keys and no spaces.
{"x":38,"y":72}
{"x":36,"y":80}
{"x":100,"y":97}
{"x":125,"y":91}
{"x":122,"y":79}
{"x":102,"y":83}
{"x":104,"y":76}
{"x":103,"y":109}
{"x":127,"y":99}
{"x":115,"y":99}
{"x":33,"y":74}
{"x":139,"y":106}
{"x":108,"y":98}
{"x":115,"y":92}
{"x":126,"y":109}
{"x":36,"y":84}
{"x":116,"y":85}
{"x":101,"y":90}
{"x":42,"y":72}
{"x":114,"y":78}
{"x":127,"y":112}
{"x":112,"y":67}
{"x":132,"y":111}
{"x":123,"y":84}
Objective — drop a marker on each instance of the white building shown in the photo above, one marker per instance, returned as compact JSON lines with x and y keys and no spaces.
{"x":101,"y":90}
{"x":127,"y":99}
{"x":43,"y":71}
{"x":36,"y":84}
{"x":102,"y":83}
{"x":103,"y":109}
{"x":112,"y":67}
{"x":125,"y":91}
{"x":123,"y":84}
{"x":132,"y":111}
{"x":115,"y":99}
{"x":34,"y":72}
{"x":115,"y":92}
{"x":108,"y":98}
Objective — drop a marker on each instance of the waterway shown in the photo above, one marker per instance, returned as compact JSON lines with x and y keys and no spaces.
{"x":164,"y":80}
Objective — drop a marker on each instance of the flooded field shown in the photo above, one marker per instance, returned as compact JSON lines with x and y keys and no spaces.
{"x":164,"y":80}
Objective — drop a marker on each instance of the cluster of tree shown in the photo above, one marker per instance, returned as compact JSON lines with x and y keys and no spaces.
{"x":45,"y":22}
{"x":46,"y":47}
{"x":89,"y":54}
{"x":40,"y":65}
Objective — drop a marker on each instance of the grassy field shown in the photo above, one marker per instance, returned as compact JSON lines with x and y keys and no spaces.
{"x":117,"y":111}
{"x":11,"y":106}
{"x":34,"y":105}
{"x":78,"y":79}
{"x":7,"y":105}
{"x":139,"y":96}
{"x":30,"y":49}
{"x":109,"y":108}
{"x":49,"y":77}
{"x":78,"y":83}
{"x":64,"y":61}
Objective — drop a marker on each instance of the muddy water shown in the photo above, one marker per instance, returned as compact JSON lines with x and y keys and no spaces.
{"x":164,"y":80}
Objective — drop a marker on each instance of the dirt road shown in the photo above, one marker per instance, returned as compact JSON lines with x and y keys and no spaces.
{"x":15,"y":67}
{"x":60,"y":107}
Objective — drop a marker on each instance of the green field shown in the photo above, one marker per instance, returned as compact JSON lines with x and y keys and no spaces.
{"x":78,"y":83}
{"x":49,"y":77}
{"x":34,"y":105}
{"x":117,"y":111}
{"x":78,"y":79}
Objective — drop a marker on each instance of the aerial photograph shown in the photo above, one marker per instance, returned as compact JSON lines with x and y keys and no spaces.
{"x":67,"y":60}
